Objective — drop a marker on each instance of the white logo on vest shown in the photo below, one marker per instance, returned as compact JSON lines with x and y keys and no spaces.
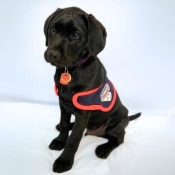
{"x":106,"y":95}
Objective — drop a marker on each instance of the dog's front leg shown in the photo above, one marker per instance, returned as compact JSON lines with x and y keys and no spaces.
{"x":66,"y":159}
{"x":59,"y":142}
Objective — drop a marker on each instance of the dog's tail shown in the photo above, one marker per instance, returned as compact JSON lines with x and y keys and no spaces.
{"x":133,"y":117}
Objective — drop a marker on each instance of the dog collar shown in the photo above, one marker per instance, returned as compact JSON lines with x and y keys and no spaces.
{"x":84,"y":59}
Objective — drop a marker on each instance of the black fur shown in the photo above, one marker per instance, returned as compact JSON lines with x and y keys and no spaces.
{"x":70,"y":34}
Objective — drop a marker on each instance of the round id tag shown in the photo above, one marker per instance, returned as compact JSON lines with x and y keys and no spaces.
{"x":65,"y":78}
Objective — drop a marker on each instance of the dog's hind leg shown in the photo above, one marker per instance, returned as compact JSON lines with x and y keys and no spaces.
{"x":115,"y":135}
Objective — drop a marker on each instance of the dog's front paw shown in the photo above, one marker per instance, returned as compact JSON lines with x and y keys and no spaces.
{"x":102,"y":151}
{"x":56,"y":145}
{"x":62,"y":164}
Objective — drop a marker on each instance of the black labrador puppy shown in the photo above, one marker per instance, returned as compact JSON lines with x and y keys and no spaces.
{"x":74,"y":38}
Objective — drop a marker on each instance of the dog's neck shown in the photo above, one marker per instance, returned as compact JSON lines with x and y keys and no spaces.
{"x":77,"y":63}
{"x":65,"y":76}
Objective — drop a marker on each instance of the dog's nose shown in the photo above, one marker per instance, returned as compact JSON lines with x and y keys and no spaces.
{"x":53,"y":55}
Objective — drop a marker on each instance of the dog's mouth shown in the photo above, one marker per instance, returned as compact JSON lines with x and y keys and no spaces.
{"x":61,"y":65}
{"x":68,"y":62}
{"x":58,"y":66}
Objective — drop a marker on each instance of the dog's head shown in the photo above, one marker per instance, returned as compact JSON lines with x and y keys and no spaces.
{"x":70,"y":34}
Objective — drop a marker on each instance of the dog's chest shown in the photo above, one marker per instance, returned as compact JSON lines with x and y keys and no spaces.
{"x":65,"y":95}
{"x":65,"y":92}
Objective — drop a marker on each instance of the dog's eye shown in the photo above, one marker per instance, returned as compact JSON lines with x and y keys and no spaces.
{"x":53,"y":29}
{"x":76,"y":35}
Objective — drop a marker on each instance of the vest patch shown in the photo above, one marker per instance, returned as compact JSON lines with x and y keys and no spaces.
{"x":106,"y":95}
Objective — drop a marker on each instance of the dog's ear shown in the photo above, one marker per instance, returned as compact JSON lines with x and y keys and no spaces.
{"x":47,"y":22}
{"x":96,"y":36}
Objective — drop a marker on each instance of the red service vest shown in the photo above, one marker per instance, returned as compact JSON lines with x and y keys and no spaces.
{"x":102,"y":98}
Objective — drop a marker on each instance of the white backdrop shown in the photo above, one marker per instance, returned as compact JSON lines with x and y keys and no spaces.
{"x":139,"y":55}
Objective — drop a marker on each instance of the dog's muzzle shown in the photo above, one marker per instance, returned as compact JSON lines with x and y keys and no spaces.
{"x":52,"y":56}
